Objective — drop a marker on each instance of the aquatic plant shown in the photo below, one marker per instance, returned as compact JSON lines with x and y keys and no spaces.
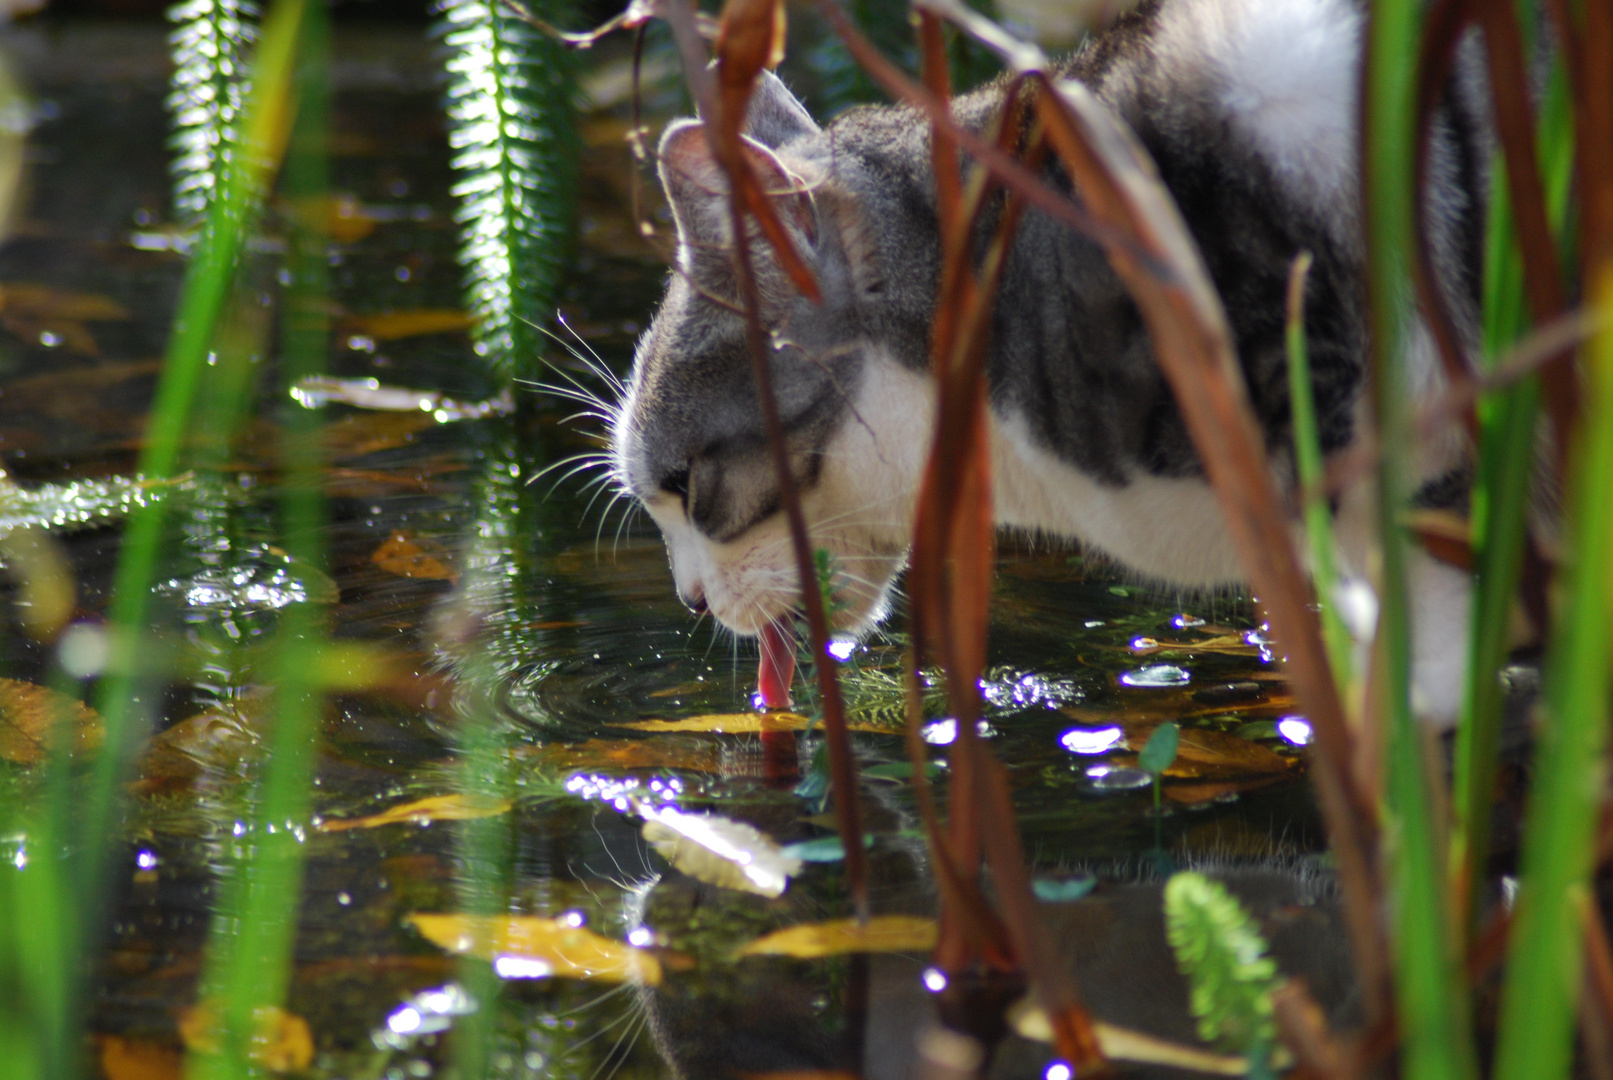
{"x":510,"y":99}
{"x":207,"y":92}
{"x":1220,"y":951}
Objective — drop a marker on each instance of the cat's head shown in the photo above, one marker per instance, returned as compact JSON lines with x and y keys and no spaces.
{"x":689,"y":441}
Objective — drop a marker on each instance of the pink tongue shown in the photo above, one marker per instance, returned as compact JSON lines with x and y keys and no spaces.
{"x":776,"y":670}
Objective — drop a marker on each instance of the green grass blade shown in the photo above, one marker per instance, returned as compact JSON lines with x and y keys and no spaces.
{"x":1506,"y":466}
{"x":1430,"y":996}
{"x":206,"y":288}
{"x":252,"y":972}
{"x":1311,"y":475}
{"x":1544,"y":959}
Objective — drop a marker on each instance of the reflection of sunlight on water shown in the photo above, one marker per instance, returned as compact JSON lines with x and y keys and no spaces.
{"x":1092,"y":740}
{"x":1010,"y":688}
{"x":1156,"y":676}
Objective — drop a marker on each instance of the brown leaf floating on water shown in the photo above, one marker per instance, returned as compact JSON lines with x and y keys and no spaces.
{"x":400,"y":555}
{"x":138,"y":1059}
{"x":27,"y":713}
{"x":282,"y":1042}
{"x":465,"y":806}
{"x":837,"y":937}
{"x":530,"y":946}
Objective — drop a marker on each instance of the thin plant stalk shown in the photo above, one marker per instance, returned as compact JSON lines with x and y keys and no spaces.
{"x":723,"y":136}
{"x":262,"y":905}
{"x":125,"y":696}
{"x":1311,"y":475}
{"x":1506,"y":466}
{"x":1545,"y":954}
{"x":1430,"y":994}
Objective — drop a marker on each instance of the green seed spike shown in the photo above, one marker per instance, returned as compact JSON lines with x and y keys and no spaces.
{"x":209,"y":43}
{"x":1221,"y":952}
{"x":510,"y":97}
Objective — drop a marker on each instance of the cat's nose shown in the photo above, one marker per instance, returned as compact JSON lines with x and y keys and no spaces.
{"x":694,"y":598}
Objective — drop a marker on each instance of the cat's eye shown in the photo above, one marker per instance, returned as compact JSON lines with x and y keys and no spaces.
{"x":677,"y":483}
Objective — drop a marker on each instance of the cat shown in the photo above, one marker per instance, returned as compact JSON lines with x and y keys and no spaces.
{"x":1248,"y":108}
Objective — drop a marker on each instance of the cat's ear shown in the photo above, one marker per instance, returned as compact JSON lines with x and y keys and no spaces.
{"x":697,"y":189}
{"x":774,"y":116}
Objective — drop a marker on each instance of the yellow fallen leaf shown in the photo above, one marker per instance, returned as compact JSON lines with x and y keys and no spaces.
{"x":458,"y":807}
{"x":137,"y":1059}
{"x":1030,"y":1021}
{"x":400,"y":555}
{"x":282,"y":1042}
{"x":719,"y":851}
{"x":529,"y":946}
{"x":752,"y":723}
{"x":391,"y":325}
{"x":881,"y":933}
{"x":27,"y":713}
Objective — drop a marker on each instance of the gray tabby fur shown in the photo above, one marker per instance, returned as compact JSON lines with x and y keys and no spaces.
{"x":1248,"y":108}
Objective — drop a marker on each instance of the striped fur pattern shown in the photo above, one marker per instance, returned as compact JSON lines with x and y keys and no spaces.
{"x":1248,"y":108}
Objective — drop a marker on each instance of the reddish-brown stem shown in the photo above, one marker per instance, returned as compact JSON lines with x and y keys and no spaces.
{"x":842,"y":765}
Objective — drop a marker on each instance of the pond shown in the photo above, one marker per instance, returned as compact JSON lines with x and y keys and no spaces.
{"x":520,"y":628}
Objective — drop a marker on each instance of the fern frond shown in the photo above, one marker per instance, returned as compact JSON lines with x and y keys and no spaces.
{"x":1221,"y":952}
{"x":209,"y":45}
{"x":510,"y":110}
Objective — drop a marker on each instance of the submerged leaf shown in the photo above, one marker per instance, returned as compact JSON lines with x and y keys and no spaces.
{"x":137,"y":1059}
{"x":27,"y":714}
{"x":529,"y":946}
{"x":880,"y":934}
{"x":282,"y":1042}
{"x":392,"y":325}
{"x":400,"y":555}
{"x":466,"y":806}
{"x":719,"y":851}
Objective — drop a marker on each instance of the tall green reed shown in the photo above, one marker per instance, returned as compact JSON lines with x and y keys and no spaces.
{"x":125,"y":697}
{"x":249,"y":962}
{"x":1429,"y":991}
{"x":1309,"y":472}
{"x":511,"y":97}
{"x":1544,"y":957}
{"x":1507,"y":466}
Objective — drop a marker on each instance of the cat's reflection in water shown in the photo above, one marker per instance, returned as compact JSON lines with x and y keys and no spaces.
{"x":762,"y":1015}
